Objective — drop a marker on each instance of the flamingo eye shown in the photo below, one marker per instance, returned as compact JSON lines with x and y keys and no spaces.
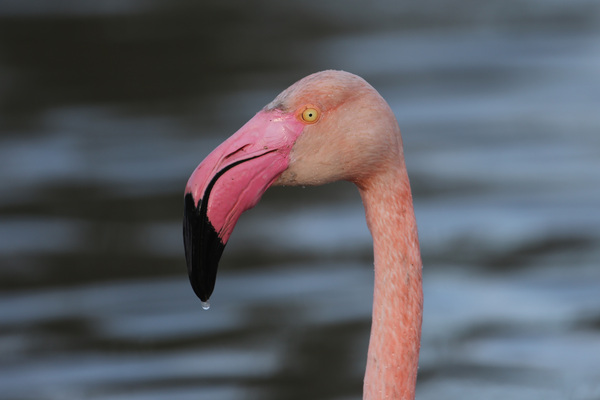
{"x":310,"y":115}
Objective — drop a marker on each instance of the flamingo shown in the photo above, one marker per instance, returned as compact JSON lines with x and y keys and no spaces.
{"x":328,"y":126}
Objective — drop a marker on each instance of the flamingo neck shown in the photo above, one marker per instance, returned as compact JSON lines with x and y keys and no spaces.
{"x":393,"y":356}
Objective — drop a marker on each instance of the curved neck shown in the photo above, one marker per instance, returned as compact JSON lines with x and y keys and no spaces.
{"x":393,"y":355}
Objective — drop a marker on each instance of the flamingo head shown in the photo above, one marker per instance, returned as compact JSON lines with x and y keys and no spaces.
{"x":329,"y":126}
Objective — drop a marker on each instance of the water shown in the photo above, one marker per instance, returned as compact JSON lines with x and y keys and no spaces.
{"x":106,"y":109}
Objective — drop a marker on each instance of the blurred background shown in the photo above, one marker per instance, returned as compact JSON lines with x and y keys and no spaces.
{"x":107,"y":107}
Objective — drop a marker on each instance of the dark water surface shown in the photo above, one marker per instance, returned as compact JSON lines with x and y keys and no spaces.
{"x":107,"y":107}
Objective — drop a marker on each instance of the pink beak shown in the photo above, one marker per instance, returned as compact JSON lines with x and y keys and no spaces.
{"x":228,"y":182}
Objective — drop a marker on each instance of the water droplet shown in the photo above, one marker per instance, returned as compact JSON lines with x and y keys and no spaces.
{"x":205,"y":305}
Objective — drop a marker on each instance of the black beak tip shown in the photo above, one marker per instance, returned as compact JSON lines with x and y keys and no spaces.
{"x":203,"y":248}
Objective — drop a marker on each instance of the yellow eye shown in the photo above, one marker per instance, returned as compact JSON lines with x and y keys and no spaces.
{"x":310,"y":115}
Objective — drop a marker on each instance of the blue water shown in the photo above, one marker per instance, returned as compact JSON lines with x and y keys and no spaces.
{"x":106,"y":110}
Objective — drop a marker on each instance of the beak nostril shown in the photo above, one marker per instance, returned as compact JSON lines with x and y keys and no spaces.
{"x":241,"y":149}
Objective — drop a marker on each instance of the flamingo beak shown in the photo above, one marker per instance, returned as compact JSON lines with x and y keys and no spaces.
{"x":228,"y":182}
